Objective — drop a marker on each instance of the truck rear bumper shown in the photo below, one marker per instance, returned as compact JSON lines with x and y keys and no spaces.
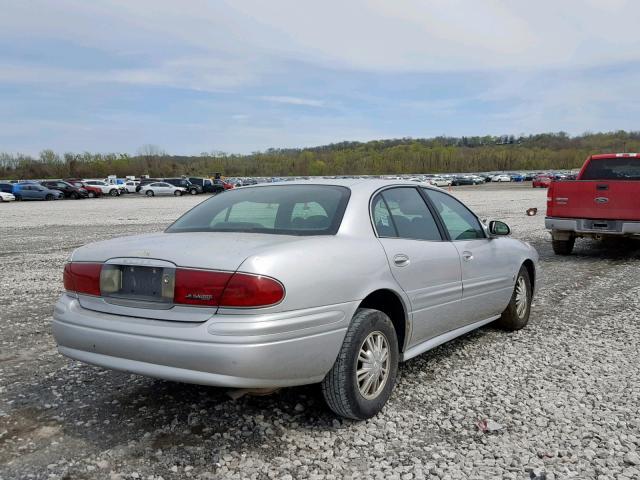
{"x":589,"y":227}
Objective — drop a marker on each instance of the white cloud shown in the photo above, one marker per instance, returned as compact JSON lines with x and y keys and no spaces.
{"x":306,"y":102}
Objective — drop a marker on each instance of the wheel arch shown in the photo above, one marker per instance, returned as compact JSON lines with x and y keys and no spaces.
{"x":392,"y":304}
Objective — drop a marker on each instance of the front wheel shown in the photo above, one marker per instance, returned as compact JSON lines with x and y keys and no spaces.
{"x":177,"y":193}
{"x":48,"y":197}
{"x":193,"y":191}
{"x":149,"y":193}
{"x":113,"y":192}
{"x":91,"y":194}
{"x":364,"y":374}
{"x":516,"y":315}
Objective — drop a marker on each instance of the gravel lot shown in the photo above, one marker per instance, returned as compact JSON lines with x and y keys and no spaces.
{"x":566,"y":390}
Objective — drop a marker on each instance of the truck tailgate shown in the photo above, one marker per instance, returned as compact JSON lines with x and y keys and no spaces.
{"x":594,"y":199}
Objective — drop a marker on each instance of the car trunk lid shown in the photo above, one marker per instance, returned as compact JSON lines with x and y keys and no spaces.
{"x":145,"y":266}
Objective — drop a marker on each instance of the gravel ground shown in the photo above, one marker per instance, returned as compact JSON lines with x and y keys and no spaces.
{"x":565,"y":391}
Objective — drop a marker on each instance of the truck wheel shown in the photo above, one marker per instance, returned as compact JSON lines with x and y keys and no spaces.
{"x":516,"y":315}
{"x":364,"y":374}
{"x":563,"y":247}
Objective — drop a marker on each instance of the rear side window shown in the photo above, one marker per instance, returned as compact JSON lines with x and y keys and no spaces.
{"x":406,"y":212}
{"x":624,"y":168}
{"x":285,"y":210}
{"x":458,"y":219}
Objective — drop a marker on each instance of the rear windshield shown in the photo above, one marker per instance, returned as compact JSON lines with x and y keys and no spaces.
{"x":626,"y":168}
{"x":285,"y":210}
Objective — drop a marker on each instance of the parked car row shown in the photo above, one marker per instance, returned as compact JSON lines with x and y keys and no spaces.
{"x":78,"y":188}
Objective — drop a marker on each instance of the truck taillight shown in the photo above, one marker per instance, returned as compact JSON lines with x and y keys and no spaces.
{"x":226,"y":289}
{"x":82,"y":278}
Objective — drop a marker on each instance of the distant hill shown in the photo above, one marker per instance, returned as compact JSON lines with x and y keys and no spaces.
{"x":393,"y":156}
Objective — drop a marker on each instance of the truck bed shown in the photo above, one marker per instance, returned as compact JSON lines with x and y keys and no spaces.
{"x":594,"y":199}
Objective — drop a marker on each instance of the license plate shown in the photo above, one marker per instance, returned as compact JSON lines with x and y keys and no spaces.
{"x":150,"y":284}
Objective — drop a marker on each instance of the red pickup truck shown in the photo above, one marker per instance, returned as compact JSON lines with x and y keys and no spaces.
{"x":603,"y":201}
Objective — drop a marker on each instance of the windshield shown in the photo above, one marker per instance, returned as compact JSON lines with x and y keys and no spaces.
{"x":626,"y":168}
{"x":285,"y":210}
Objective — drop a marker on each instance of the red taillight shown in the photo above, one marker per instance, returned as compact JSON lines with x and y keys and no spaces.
{"x":192,"y":287}
{"x":224,"y":289}
{"x":82,"y":278}
{"x":199,"y":287}
{"x":244,"y":290}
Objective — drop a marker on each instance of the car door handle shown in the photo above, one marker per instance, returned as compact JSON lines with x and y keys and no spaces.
{"x":467,"y":256}
{"x":401,"y":260}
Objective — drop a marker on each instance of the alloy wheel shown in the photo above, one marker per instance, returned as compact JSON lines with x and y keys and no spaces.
{"x":372,"y":365}
{"x":522,"y":297}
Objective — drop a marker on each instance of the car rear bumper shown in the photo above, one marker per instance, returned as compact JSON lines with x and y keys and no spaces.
{"x":593,"y":227}
{"x":249,"y":351}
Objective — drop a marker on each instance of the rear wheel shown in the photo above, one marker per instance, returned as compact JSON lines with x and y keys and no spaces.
{"x":364,"y":374}
{"x":516,"y":315}
{"x":177,"y":193}
{"x":563,"y":247}
{"x":149,"y":193}
{"x":113,"y":192}
{"x":48,"y":197}
{"x":193,"y":191}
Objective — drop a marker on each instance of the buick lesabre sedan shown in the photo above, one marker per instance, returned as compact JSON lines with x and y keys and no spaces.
{"x":331,"y":282}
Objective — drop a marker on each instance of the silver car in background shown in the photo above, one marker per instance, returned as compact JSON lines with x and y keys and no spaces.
{"x":289,"y":284}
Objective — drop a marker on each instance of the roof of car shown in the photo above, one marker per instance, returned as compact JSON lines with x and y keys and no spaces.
{"x":370,"y":184}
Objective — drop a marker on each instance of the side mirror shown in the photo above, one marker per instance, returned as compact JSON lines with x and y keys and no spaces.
{"x":499,"y":228}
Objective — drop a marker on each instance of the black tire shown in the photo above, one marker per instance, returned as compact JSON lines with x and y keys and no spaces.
{"x":48,"y":197}
{"x":511,"y":319}
{"x":149,"y":193}
{"x":563,"y":247}
{"x":177,"y":193}
{"x":75,"y":196}
{"x":113,"y":192}
{"x":340,"y":386}
{"x":193,"y":191}
{"x":91,"y":194}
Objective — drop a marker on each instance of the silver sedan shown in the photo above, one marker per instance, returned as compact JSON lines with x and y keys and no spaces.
{"x":331,"y":282}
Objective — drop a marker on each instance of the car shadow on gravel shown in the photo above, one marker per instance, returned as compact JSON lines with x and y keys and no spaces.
{"x":102,"y":409}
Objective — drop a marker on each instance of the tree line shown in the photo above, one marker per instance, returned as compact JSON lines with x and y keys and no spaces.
{"x":547,"y":151}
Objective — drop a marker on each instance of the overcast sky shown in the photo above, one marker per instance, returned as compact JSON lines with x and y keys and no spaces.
{"x":195,"y":75}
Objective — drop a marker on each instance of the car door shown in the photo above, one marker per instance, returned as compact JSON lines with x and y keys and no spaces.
{"x":425,"y":265}
{"x":487,"y":269}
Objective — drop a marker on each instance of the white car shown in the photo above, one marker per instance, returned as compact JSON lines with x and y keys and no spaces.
{"x":131,"y":185}
{"x":332,"y":282}
{"x":501,"y":178}
{"x":162,"y":188}
{"x":107,"y":189}
{"x":439,"y":181}
{"x":6,"y":197}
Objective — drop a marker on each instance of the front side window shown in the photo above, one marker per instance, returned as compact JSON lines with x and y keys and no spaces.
{"x":458,"y":219}
{"x":284,"y":210}
{"x":408,"y":215}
